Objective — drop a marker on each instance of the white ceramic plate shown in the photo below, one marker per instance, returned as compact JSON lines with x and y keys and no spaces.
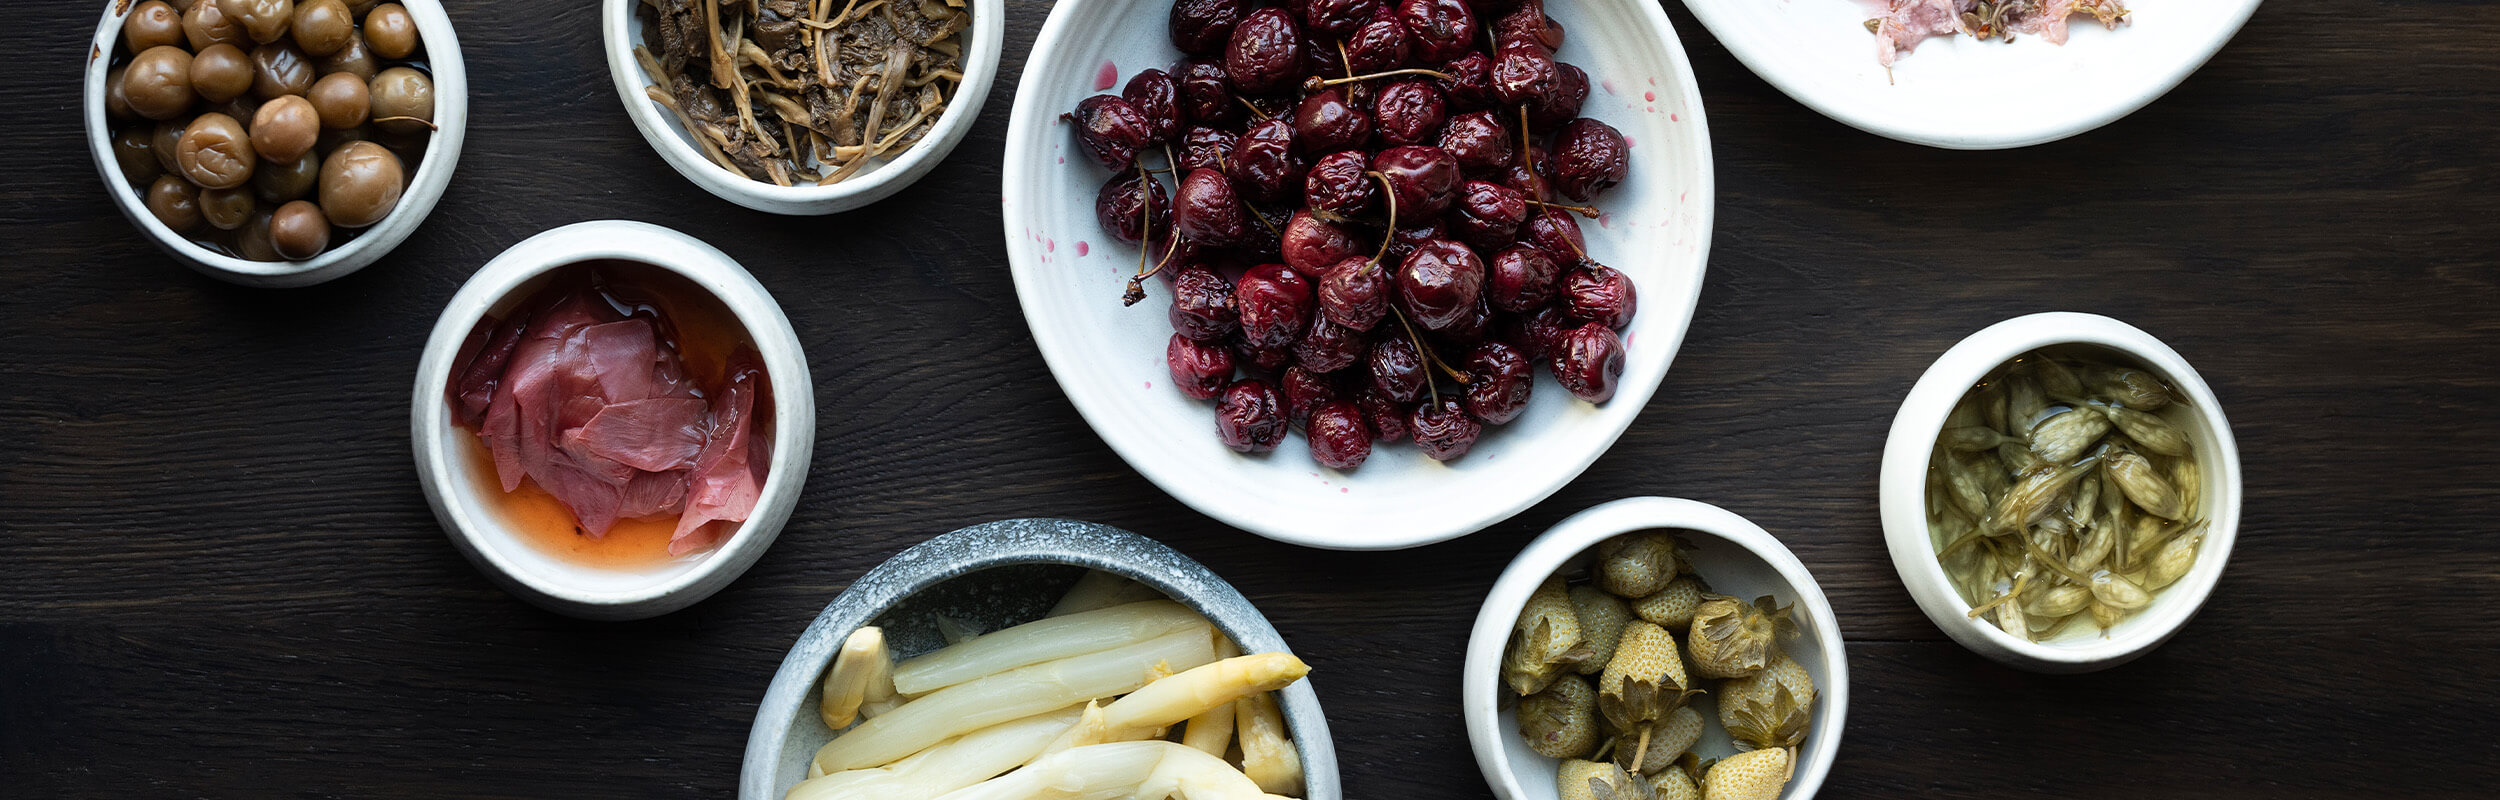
{"x":1109,"y":359}
{"x":1959,"y":93}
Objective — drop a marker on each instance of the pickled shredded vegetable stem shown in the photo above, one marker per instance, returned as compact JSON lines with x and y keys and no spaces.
{"x":954,"y":764}
{"x":862,"y":671}
{"x":1099,"y":589}
{"x":1120,"y":769}
{"x":1043,"y":640}
{"x":1148,"y":712}
{"x":1267,"y":756}
{"x":1212,"y":732}
{"x":1017,"y":693}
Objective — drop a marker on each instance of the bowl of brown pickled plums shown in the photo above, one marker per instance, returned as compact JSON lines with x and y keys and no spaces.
{"x":276,"y":142}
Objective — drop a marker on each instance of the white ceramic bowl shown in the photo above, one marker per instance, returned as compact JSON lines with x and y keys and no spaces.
{"x":1903,"y":493}
{"x":1110,"y":359}
{"x":621,"y":29}
{"x":455,"y":488}
{"x":1735,"y":556}
{"x":1965,"y":94}
{"x":993,"y":575}
{"x":425,"y":183}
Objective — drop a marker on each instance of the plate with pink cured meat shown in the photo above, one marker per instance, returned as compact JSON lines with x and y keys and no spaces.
{"x":1414,"y":264}
{"x":1973,"y":75}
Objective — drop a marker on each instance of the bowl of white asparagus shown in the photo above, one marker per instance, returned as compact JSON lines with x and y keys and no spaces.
{"x":1040,"y":658}
{"x":1655,"y":647}
{"x":2060,"y":492}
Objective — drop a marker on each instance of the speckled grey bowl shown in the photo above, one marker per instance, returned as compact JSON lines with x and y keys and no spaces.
{"x":993,"y":575}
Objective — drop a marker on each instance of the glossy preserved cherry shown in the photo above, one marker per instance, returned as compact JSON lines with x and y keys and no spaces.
{"x":1470,"y":85}
{"x":1324,"y":121}
{"x":1439,"y":283}
{"x":1441,"y":29}
{"x":1336,"y":184}
{"x":1110,"y":130}
{"x":1467,"y":330}
{"x":1379,"y":45}
{"x":1488,"y":215}
{"x":1571,"y":89}
{"x":1329,"y":347}
{"x":1265,"y":53}
{"x":1333,"y":18}
{"x":1205,"y":26}
{"x":1156,"y":96}
{"x":1480,"y":141}
{"x":1397,"y":368}
{"x":1302,"y":390}
{"x":1249,"y":418}
{"x":1204,"y":148}
{"x":1202,"y":305}
{"x":1527,"y":23}
{"x":1312,"y":244}
{"x":1443,"y":430}
{"x":1523,"y":72}
{"x":1410,"y":112}
{"x":1354,"y":293}
{"x":1275,"y":305}
{"x":1132,"y":206}
{"x":1589,"y":158}
{"x":1536,"y":332}
{"x":1588,"y":360}
{"x":1411,"y":235}
{"x":1498,"y":380}
{"x":1267,"y":360}
{"x":1206,"y":210}
{"x":1207,"y":93}
{"x":1200,"y":369}
{"x":1340,"y":436}
{"x":1520,"y":278}
{"x":1601,"y":294}
{"x":1265,"y":164}
{"x":1387,"y":418}
{"x":1557,"y":232}
{"x":1424,"y":177}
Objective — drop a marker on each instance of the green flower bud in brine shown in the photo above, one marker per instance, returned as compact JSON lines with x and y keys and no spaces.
{"x":1971,"y":439}
{"x":2144,"y":486}
{"x":2114,"y":590}
{"x":2035,"y":495}
{"x":2057,"y":378}
{"x":2059,"y":602}
{"x":2174,"y":559}
{"x":2132,"y":388}
{"x":2149,"y":431}
{"x":2063,"y":438}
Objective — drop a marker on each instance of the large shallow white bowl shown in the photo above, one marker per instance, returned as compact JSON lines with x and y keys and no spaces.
{"x":993,"y":575}
{"x":1110,"y":359}
{"x":1903,"y":493}
{"x":426,"y":180}
{"x":1736,"y":557}
{"x":621,"y":30}
{"x":454,"y":487}
{"x":1965,"y":94}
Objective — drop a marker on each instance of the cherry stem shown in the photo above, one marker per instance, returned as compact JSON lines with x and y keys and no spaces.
{"x":1254,"y":108}
{"x":1346,"y":59}
{"x":1418,"y":341}
{"x":1389,"y":74}
{"x":1575,"y":245}
{"x":1527,"y":147}
{"x":1391,"y":193}
{"x":1136,"y":290}
{"x":1585,"y":211}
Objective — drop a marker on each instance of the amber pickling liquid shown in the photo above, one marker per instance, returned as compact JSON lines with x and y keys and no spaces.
{"x":704,"y":333}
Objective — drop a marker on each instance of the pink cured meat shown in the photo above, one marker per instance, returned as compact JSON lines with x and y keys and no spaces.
{"x":1908,"y":22}
{"x":591,"y":405}
{"x":729,"y":474}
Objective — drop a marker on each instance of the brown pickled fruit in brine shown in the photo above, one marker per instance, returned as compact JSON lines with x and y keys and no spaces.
{"x":174,"y":202}
{"x":342,"y":100}
{"x":157,"y":84}
{"x":322,"y":27}
{"x":299,"y":230}
{"x":221,"y":72}
{"x":227,"y":209}
{"x":360,"y":184}
{"x":280,"y":69}
{"x":284,"y":129}
{"x":154,"y":23}
{"x":402,"y":101}
{"x":215,"y":152}
{"x":391,"y":31}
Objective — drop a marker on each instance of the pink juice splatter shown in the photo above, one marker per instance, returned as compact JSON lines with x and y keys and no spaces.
{"x":1608,"y":84}
{"x":1081,"y":248}
{"x":1650,"y":96}
{"x":1106,"y":76}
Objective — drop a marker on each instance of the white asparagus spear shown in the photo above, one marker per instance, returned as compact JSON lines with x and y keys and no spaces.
{"x":1098,"y":590}
{"x":1147,"y":712}
{"x":862,"y":670}
{"x":1042,"y":640}
{"x":1267,"y":756}
{"x":954,"y":764}
{"x":1153,"y":769}
{"x":1212,"y":732}
{"x":1020,"y":692}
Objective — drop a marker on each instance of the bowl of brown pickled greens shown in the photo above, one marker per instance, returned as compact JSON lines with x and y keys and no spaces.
{"x":2060,"y":492}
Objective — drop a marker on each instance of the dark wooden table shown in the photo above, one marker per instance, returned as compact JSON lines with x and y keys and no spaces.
{"x":217,"y":577}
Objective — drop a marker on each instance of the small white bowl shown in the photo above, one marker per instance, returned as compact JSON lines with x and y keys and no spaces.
{"x":993,"y":575}
{"x":1903,"y":493}
{"x":453,"y":487}
{"x":621,"y":29}
{"x":1964,"y":94}
{"x":425,"y":185}
{"x":1736,"y":557}
{"x":1110,"y":358}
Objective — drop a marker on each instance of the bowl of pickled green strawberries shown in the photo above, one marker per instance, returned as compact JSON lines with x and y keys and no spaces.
{"x":1655,"y":648}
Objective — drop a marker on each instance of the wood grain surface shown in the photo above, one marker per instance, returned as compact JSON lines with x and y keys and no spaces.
{"x":217,"y":578}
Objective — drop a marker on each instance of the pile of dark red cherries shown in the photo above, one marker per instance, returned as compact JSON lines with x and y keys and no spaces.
{"x":1391,"y":182}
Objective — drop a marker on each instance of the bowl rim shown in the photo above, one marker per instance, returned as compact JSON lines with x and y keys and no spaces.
{"x":1576,"y":534}
{"x":1902,"y":491}
{"x":425,"y":185}
{"x":2013,"y":134}
{"x":1012,"y":542}
{"x":794,"y":413}
{"x":1248,"y":512}
{"x":983,"y":51}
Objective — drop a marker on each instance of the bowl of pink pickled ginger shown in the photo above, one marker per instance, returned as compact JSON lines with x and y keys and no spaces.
{"x":612,"y":420}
